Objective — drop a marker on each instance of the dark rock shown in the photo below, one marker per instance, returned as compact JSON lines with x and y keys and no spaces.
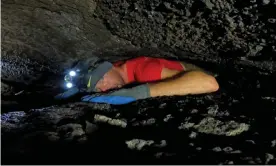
{"x":81,"y":123}
{"x":233,"y":39}
{"x":6,"y":89}
{"x":272,"y":20}
{"x":214,"y":27}
{"x":265,"y":2}
{"x":45,"y":36}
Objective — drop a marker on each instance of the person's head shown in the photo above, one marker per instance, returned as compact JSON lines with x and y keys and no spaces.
{"x":111,"y":80}
{"x":97,"y":75}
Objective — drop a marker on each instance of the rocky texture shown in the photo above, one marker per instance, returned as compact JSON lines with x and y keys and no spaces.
{"x":204,"y":129}
{"x":234,"y":39}
{"x":46,"y":36}
{"x":243,"y":31}
{"x":41,"y":36}
{"x":232,"y":126}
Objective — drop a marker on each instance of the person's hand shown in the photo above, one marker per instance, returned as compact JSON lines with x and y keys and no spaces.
{"x":69,"y":93}
{"x":122,"y":96}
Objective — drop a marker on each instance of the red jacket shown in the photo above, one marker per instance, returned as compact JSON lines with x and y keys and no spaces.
{"x":146,"y":69}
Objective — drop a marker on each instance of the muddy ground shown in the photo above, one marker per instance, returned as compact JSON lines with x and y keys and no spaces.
{"x":233,"y":39}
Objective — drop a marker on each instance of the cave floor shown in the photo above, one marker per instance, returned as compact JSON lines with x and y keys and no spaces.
{"x":235,"y":125}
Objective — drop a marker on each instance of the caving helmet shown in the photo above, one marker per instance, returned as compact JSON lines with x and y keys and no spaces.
{"x":86,"y":73}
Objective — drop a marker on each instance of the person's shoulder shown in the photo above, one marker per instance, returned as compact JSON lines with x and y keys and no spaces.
{"x":135,"y":61}
{"x":149,"y":70}
{"x":139,"y":58}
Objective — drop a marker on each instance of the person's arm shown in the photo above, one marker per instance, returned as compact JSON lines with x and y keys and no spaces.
{"x":183,"y":83}
{"x":173,"y":82}
{"x":191,"y":80}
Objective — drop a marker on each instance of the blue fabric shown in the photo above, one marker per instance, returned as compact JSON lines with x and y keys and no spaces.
{"x":67,"y":94}
{"x":121,"y":96}
{"x":115,"y":100}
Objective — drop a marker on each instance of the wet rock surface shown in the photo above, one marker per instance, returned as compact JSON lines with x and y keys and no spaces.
{"x":233,"y":39}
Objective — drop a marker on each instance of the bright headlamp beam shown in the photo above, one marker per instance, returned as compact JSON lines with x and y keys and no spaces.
{"x":69,"y":85}
{"x":72,"y":73}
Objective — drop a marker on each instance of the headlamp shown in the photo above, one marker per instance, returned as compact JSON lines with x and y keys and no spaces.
{"x":69,"y":85}
{"x":72,"y":73}
{"x":69,"y":78}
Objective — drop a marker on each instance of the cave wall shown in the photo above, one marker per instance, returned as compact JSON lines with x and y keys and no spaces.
{"x":42,"y":36}
{"x":216,"y":29}
{"x":233,"y":126}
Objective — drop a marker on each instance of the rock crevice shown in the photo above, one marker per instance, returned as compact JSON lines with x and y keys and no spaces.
{"x":234,"y":39}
